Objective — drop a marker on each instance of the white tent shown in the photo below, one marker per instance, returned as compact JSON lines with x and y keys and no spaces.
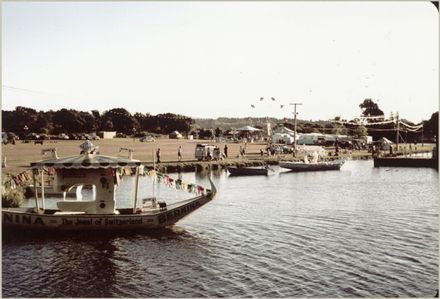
{"x":385,"y":140}
{"x":175,"y":135}
{"x":248,"y":128}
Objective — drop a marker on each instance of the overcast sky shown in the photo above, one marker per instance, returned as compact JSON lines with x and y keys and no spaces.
{"x":211,"y":59}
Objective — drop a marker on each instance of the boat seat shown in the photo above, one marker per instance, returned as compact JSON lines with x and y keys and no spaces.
{"x":87,"y":206}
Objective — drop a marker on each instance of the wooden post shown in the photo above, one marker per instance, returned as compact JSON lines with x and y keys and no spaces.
{"x":35,"y":190}
{"x":397,"y":132}
{"x":294,"y":130}
{"x":154,"y":169}
{"x":135,"y":193}
{"x":42,"y":190}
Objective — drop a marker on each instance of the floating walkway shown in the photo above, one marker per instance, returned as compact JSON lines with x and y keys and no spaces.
{"x":405,"y":162}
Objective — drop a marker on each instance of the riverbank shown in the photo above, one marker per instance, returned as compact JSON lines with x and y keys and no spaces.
{"x":20,"y":155}
{"x":197,"y":166}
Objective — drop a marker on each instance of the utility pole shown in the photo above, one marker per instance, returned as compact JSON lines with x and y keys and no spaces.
{"x":294,"y":124}
{"x":397,"y":131}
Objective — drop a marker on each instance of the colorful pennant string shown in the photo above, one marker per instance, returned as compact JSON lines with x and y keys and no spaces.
{"x":175,"y":183}
{"x":25,"y":177}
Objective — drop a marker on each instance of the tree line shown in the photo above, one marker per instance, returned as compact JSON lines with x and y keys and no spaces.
{"x":368,"y":108}
{"x":24,"y":120}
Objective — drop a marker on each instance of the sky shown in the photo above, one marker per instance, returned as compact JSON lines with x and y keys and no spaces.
{"x":215,"y":59}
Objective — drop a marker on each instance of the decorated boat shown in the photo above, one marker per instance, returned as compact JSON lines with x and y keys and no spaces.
{"x":314,"y":165}
{"x":236,"y":171}
{"x":103,"y":174}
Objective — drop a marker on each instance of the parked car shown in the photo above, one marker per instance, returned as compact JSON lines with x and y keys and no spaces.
{"x":32,"y":136}
{"x":72,"y":136}
{"x":9,"y":137}
{"x":63,"y":136}
{"x":5,"y":139}
{"x":147,"y":139}
{"x":85,"y":137}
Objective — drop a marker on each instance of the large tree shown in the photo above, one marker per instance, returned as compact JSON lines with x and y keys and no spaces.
{"x":43,"y":123}
{"x":430,"y":127}
{"x":361,"y":131}
{"x":121,"y":119}
{"x":339,"y":129}
{"x":21,"y":120}
{"x":170,"y":122}
{"x":370,"y":108}
{"x":66,"y":121}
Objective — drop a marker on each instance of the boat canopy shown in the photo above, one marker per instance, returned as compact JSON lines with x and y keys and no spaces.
{"x":88,"y":159}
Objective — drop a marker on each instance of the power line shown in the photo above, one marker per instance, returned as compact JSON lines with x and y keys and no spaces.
{"x":36,"y":91}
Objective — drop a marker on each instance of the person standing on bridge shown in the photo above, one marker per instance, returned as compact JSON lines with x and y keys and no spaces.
{"x":179,"y":153}
{"x":158,"y":155}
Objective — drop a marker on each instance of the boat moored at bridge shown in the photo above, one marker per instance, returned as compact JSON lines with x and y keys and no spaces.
{"x":103,"y":174}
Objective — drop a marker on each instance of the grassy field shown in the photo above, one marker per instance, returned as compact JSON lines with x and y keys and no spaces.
{"x":20,"y":155}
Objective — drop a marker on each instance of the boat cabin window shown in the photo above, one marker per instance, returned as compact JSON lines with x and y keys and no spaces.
{"x":86,"y":192}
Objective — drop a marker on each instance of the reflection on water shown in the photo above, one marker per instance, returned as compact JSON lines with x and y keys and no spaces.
{"x":361,"y":231}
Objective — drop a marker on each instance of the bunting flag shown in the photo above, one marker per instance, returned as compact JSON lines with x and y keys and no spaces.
{"x":363,"y":120}
{"x":179,"y":184}
{"x":111,"y":172}
{"x":127,"y":171}
{"x":50,"y":171}
{"x":25,"y":177}
{"x":416,"y":127}
{"x":150,"y":173}
{"x":380,"y":123}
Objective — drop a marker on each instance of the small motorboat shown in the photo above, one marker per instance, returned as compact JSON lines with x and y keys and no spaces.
{"x":236,"y":171}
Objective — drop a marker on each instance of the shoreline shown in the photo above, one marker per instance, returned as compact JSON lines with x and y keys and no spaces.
{"x":20,"y":156}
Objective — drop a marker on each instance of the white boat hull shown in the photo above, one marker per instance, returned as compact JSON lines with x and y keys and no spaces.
{"x":27,"y":219}
{"x":320,"y":166}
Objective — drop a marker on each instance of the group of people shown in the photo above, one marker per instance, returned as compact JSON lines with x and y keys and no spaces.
{"x":217,"y":154}
{"x":242,"y":151}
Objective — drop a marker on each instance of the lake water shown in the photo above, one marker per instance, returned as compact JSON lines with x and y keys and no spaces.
{"x":358,"y":232}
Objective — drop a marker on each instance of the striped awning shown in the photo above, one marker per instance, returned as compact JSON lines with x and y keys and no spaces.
{"x":87,"y":161}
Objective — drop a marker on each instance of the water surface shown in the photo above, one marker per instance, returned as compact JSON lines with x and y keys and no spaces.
{"x":361,"y":231}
